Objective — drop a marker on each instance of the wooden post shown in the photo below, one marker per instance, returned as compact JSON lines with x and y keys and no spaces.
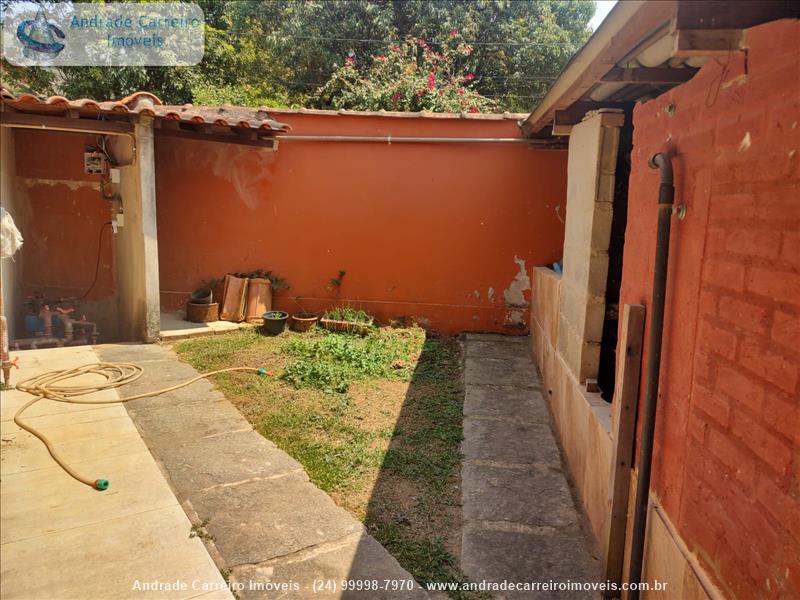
{"x":623,"y":437}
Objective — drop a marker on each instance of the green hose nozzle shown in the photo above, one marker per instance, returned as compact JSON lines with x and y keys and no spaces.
{"x":262,"y":371}
{"x":101,"y":484}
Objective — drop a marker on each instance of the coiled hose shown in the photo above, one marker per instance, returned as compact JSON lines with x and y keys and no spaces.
{"x":54,"y":386}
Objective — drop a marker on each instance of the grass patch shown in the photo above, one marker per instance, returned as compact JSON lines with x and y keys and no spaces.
{"x":375,"y":421}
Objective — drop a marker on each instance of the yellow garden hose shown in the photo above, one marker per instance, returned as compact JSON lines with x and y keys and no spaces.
{"x":54,"y":386}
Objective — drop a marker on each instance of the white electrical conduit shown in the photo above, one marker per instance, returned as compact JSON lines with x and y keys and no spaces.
{"x":389,"y":139}
{"x":67,"y":129}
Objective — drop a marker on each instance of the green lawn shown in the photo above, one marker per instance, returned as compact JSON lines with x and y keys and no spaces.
{"x":375,"y":421}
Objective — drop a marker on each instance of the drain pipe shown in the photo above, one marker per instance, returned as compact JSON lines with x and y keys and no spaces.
{"x":666,"y":198}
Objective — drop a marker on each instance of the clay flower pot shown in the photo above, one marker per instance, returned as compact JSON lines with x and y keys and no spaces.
{"x":302,"y":322}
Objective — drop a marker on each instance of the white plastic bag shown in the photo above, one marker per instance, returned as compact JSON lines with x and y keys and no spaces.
{"x":10,"y":237}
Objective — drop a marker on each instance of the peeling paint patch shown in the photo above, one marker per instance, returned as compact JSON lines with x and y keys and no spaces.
{"x":490,"y":294}
{"x":514,"y":294}
{"x":738,"y":80}
{"x":476,"y":294}
{"x":515,"y":317}
{"x":745,"y":143}
{"x":71,"y":184}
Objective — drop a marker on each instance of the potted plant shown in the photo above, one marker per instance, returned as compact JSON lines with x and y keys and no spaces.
{"x":347,"y":319}
{"x":274,"y":322}
{"x":205,"y":293}
{"x":304,"y":320}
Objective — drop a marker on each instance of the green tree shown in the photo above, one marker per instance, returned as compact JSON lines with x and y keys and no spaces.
{"x":287,"y":51}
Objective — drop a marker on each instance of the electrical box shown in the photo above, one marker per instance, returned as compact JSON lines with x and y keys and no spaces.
{"x":92,"y":163}
{"x":114,"y":175}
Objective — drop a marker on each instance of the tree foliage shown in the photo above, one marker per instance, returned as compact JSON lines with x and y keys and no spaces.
{"x":295,"y":52}
{"x":410,"y":77}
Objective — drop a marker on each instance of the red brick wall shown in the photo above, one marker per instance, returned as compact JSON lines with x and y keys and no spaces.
{"x":727,"y":455}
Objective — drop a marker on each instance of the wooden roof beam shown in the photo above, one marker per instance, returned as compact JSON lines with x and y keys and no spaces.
{"x":655,"y":76}
{"x":707,"y":42}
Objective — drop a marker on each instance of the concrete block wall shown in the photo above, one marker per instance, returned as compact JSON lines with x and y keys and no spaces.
{"x":582,"y":419}
{"x":590,"y":194}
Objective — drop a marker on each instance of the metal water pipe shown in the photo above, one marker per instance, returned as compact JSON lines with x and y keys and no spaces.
{"x":666,"y":199}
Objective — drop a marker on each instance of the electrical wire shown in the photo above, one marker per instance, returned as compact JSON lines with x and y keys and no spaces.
{"x":97,"y":264}
{"x":54,"y":385}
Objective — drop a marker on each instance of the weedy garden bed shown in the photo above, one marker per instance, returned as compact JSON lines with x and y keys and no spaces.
{"x":376,"y":420}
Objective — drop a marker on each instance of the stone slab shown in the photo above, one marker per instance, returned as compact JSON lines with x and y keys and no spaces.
{"x":524,"y":405}
{"x":494,"y":349}
{"x":517,"y":556}
{"x":356,"y":557}
{"x":225,"y":459}
{"x":262,"y":519}
{"x":165,"y":424}
{"x":518,"y":443}
{"x":518,"y":372}
{"x":535,"y":496}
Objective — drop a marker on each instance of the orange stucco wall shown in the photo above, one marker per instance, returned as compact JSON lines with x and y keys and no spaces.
{"x":727,"y":448}
{"x":60,"y":211}
{"x":437,"y":233}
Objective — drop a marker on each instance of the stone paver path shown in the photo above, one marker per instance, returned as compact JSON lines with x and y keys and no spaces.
{"x":520,"y":521}
{"x":265,"y":523}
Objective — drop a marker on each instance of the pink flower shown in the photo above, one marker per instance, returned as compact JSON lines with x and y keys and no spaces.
{"x":472,"y":109}
{"x":421,"y":93}
{"x":453,"y":33}
{"x":396,"y":48}
{"x":380,"y":56}
{"x":431,"y":81}
{"x":350,"y":60}
{"x":470,"y":76}
{"x":460,"y":92}
{"x":395,"y":96}
{"x":423,"y":44}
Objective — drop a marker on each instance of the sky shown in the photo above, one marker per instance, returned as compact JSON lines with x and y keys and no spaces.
{"x":603,"y":8}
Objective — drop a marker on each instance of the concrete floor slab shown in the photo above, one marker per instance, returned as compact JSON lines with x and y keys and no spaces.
{"x":61,"y":539}
{"x":175,"y":327}
{"x":106,"y":560}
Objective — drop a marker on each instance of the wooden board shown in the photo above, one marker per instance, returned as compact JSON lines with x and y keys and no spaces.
{"x":233,"y":299}
{"x":623,"y":433}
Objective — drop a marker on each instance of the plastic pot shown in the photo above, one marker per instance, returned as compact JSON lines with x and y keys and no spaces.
{"x":274,"y":322}
{"x":302,"y":322}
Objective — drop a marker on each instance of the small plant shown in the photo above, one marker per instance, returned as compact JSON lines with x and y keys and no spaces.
{"x":277,"y":283}
{"x":336,"y":282}
{"x":275,"y":314}
{"x":201,"y":532}
{"x":347,"y":313}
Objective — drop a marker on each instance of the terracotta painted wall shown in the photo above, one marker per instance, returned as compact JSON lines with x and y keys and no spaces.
{"x":442,"y":233}
{"x":60,"y":215}
{"x":727,"y":448}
